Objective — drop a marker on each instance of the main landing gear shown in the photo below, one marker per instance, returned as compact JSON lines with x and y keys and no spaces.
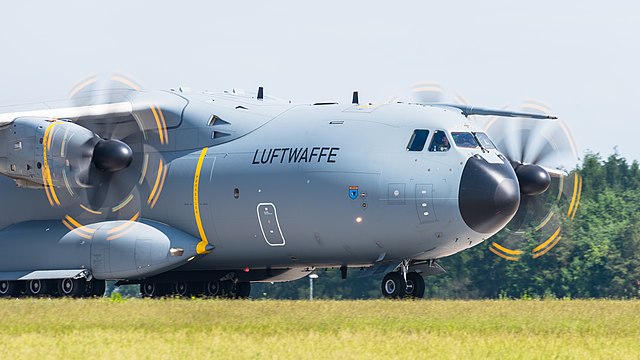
{"x":69,"y":287}
{"x":403,"y":284}
{"x":214,"y":288}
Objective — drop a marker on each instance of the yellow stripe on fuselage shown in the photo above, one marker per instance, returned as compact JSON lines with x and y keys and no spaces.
{"x":201,"y":247}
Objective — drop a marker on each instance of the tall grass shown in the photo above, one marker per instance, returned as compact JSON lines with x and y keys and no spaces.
{"x":223,"y":329}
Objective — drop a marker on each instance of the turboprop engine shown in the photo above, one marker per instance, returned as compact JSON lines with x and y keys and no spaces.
{"x":45,"y":152}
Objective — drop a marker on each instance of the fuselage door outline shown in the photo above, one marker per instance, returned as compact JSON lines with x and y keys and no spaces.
{"x":268,"y":217}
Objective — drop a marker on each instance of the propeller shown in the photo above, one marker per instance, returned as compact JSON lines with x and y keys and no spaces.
{"x":117,"y":171}
{"x":540,"y":152}
{"x":427,"y":92}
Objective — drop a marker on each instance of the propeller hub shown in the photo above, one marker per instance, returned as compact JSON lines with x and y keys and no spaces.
{"x":533,"y":179}
{"x":112,"y":155}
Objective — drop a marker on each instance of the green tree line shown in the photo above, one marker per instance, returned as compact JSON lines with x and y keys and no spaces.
{"x":598,"y":255}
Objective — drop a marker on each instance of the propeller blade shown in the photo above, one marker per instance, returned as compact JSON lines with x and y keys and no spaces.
{"x":427,"y":92}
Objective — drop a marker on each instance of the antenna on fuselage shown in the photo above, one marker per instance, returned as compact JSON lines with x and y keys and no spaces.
{"x":260,"y":93}
{"x":354,"y":99}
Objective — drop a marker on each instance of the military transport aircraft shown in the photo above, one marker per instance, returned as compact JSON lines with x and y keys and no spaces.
{"x":203,"y":193}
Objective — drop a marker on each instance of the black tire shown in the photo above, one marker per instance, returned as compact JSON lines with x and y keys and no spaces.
{"x":10,"y":288}
{"x":40,"y":287}
{"x":72,"y":287}
{"x":97,"y":288}
{"x":187,"y":288}
{"x":243,"y":290}
{"x":415,"y":285}
{"x":153,"y":290}
{"x":213,"y":288}
{"x":196,"y":288}
{"x":393,"y":286}
{"x":227,"y":289}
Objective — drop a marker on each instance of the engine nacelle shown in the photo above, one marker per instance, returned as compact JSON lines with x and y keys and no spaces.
{"x":40,"y":151}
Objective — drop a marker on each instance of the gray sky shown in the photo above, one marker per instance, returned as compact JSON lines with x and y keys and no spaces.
{"x":581,"y":58}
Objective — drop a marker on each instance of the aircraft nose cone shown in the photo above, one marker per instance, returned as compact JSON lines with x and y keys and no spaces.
{"x":489,"y":195}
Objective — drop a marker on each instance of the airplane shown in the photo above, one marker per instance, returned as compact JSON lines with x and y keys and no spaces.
{"x":202,"y":193}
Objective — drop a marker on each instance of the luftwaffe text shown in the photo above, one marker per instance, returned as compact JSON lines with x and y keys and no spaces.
{"x":296,"y":155}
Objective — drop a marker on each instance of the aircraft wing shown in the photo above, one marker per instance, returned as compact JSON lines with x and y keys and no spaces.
{"x":468,"y":110}
{"x":76,"y":112}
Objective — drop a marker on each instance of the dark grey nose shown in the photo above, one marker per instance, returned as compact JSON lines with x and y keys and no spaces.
{"x":489,"y":195}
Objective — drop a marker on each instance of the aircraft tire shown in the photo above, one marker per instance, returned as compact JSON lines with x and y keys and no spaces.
{"x":415,"y":285}
{"x":213,"y":288}
{"x":72,"y":287}
{"x":153,"y":290}
{"x":39,"y":287}
{"x":97,"y":288}
{"x":227,"y":289}
{"x":187,"y":288}
{"x":243,"y":290}
{"x":11,"y":288}
{"x":393,"y":286}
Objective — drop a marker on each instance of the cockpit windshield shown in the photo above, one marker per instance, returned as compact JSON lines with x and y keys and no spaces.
{"x":484,"y":140}
{"x":465,"y":140}
{"x":418,"y":140}
{"x":439,"y":142}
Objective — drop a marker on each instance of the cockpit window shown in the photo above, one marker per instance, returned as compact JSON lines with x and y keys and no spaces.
{"x":464,"y":140}
{"x":439,"y":142}
{"x":484,"y":140}
{"x":418,"y":140}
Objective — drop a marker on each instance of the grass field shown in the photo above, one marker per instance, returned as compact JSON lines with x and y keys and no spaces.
{"x":225,"y":329}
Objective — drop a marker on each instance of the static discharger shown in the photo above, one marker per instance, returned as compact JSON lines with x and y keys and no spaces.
{"x":354,"y":98}
{"x":260,"y":93}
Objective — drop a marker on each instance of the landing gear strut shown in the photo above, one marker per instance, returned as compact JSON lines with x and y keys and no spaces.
{"x":415,"y":285}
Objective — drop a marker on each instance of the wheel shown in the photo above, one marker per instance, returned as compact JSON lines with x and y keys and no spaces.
{"x":40,"y":287}
{"x":10,"y":288}
{"x":97,"y":288}
{"x":180,"y":288}
{"x":72,"y":287}
{"x":243,"y":289}
{"x":415,"y":285}
{"x":187,"y":288}
{"x":393,"y":286}
{"x":151,"y":290}
{"x":213,"y":288}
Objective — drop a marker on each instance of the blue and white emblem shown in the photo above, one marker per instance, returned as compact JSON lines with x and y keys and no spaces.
{"x":353,"y":192}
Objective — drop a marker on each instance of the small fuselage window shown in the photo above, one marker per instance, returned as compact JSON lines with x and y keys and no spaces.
{"x":465,"y":140}
{"x":439,"y":142}
{"x":418,"y":140}
{"x":484,"y":140}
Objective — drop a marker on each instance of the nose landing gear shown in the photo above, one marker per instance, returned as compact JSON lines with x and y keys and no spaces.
{"x":403,"y":284}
